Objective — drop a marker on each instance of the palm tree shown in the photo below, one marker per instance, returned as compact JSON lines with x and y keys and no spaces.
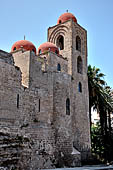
{"x":95,"y":84}
{"x":101,"y":99}
{"x":105,"y":120}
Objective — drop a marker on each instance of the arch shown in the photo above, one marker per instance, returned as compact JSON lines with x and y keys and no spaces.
{"x":33,"y":50}
{"x":79,"y":65}
{"x":40,"y":51}
{"x":58,"y":67}
{"x":57,"y":35}
{"x":61,"y":29}
{"x":78,"y":43}
{"x":60,"y":42}
{"x":14,"y":48}
{"x":80,"y":87}
{"x":67,"y":106}
{"x":56,"y":51}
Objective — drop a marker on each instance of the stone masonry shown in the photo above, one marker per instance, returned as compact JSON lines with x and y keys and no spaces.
{"x":44,"y":120}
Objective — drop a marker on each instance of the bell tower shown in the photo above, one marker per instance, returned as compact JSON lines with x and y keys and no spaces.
{"x":71,"y":39}
{"x":61,"y":35}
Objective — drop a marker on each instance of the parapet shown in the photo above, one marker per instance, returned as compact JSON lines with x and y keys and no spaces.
{"x":6,"y":57}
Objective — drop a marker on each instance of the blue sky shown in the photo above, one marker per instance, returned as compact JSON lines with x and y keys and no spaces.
{"x":32,"y":18}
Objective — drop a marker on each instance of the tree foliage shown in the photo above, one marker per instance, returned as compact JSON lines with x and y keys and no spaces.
{"x":100,"y":98}
{"x":103,"y":152}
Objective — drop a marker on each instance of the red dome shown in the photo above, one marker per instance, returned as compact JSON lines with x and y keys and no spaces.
{"x":27,"y":45}
{"x":65,"y":17}
{"x":48,"y":46}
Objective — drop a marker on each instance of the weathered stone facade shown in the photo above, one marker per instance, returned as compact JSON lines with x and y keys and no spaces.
{"x":46,"y":106}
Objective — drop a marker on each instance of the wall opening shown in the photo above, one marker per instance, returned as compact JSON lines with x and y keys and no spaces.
{"x":60,"y":42}
{"x":80,"y":87}
{"x":17,"y":100}
{"x":58,"y":67}
{"x":40,"y":51}
{"x":39,"y":105}
{"x":56,"y":51}
{"x":33,"y":50}
{"x":78,"y":43}
{"x":79,"y":65}
{"x":14,"y":48}
{"x":67,"y":106}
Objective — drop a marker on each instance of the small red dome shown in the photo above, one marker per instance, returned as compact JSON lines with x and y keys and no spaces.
{"x":27,"y":45}
{"x":65,"y":17}
{"x":48,"y":46}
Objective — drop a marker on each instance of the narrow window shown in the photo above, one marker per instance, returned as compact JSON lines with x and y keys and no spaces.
{"x":14,"y":48}
{"x":67,"y":106}
{"x":58,"y":67}
{"x":33,"y":50}
{"x":40,"y":51}
{"x":60,"y":42}
{"x":78,"y":43}
{"x":60,"y":22}
{"x":17,"y":100}
{"x":79,"y":65}
{"x":80,"y":87}
{"x":39,"y":105}
{"x":56,"y":51}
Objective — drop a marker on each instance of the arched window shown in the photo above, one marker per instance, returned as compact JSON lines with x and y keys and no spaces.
{"x":14,"y":48}
{"x":40,"y":51}
{"x":60,"y":21}
{"x":56,"y":51}
{"x":80,"y":87}
{"x":58,"y":67}
{"x":60,"y":42}
{"x":67,"y":106}
{"x":79,"y":65}
{"x":33,"y":50}
{"x":78,"y":43}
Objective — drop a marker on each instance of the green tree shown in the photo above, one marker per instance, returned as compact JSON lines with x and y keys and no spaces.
{"x":95,"y":84}
{"x":97,"y":142}
{"x":100,"y":98}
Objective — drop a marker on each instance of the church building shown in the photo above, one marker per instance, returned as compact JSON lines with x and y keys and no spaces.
{"x":44,"y":98}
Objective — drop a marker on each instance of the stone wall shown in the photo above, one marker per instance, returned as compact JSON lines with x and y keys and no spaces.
{"x":81,"y":118}
{"x":62,"y":121}
{"x":10,"y":84}
{"x":64,"y":29}
{"x":52,"y":60}
{"x":79,"y":110}
{"x":25,"y":117}
{"x":15,"y":150}
{"x":33,"y":103}
{"x":6,"y":57}
{"x":22,"y":60}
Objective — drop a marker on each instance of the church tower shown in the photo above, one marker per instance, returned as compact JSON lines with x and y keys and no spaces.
{"x":71,"y":39}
